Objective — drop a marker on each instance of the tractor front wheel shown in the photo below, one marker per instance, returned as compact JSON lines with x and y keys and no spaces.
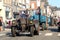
{"x":13,"y":31}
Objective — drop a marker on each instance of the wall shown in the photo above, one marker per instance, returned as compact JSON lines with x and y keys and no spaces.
{"x":57,"y":13}
{"x":2,"y":12}
{"x":33,"y":5}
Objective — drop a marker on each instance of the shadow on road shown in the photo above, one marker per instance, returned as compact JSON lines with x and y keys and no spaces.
{"x":53,"y":29}
{"x":10,"y":35}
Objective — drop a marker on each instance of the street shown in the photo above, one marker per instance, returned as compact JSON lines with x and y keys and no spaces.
{"x":18,"y":16}
{"x":50,"y":34}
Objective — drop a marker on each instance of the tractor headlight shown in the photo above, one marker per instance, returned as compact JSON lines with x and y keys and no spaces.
{"x":13,"y":22}
{"x":31,"y":22}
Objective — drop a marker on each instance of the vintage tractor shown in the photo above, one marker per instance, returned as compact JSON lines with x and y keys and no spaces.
{"x":23,"y":25}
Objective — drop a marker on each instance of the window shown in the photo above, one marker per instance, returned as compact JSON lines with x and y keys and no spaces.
{"x":15,"y":14}
{"x":32,"y":5}
{"x":7,"y":12}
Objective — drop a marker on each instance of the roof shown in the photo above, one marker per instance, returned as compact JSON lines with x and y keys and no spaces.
{"x":58,"y":9}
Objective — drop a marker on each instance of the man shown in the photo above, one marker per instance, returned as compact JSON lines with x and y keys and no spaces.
{"x":0,"y":23}
{"x":35,"y":18}
{"x":58,"y":23}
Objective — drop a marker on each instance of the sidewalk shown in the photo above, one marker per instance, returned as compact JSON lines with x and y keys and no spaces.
{"x":5,"y":31}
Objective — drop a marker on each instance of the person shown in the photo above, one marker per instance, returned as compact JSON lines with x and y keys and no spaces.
{"x":35,"y":19}
{"x":58,"y":24}
{"x":55,"y":20}
{"x":0,"y":25}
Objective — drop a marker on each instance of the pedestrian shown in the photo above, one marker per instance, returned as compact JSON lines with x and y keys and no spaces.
{"x":55,"y":20}
{"x":0,"y":25}
{"x":3,"y":25}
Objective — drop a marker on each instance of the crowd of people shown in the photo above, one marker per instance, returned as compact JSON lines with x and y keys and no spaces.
{"x":53,"y":20}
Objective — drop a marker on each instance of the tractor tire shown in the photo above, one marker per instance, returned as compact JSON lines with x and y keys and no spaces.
{"x":31,"y":31}
{"x":17,"y":34}
{"x":36,"y":32}
{"x":59,"y":29}
{"x":13,"y":31}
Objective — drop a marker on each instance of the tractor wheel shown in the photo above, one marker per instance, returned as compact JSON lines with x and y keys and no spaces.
{"x":32,"y":31}
{"x":59,"y":29}
{"x":17,"y":34}
{"x":13,"y":31}
{"x":36,"y":32}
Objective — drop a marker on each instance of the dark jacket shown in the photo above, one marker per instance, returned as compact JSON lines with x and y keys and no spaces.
{"x":0,"y":23}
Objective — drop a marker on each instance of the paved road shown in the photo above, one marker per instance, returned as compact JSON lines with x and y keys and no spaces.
{"x":50,"y":34}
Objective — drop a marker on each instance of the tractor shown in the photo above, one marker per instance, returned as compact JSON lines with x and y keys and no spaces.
{"x":23,"y":24}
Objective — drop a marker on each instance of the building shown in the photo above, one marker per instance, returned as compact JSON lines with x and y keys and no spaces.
{"x":53,"y":9}
{"x":43,"y":6}
{"x":33,"y":4}
{"x":49,"y":11}
{"x":12,"y":6}
{"x":57,"y":12}
{"x":8,"y":8}
{"x":27,"y":4}
{"x":2,"y":10}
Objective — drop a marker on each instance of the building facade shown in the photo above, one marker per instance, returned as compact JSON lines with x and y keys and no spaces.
{"x":2,"y":10}
{"x":13,"y":6}
{"x":43,"y":6}
{"x":33,"y":4}
{"x":57,"y":12}
{"x":8,"y":8}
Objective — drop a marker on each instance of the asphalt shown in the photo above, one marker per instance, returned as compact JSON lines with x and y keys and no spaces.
{"x":50,"y":34}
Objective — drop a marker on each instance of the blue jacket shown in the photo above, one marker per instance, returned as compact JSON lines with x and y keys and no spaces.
{"x":42,"y":18}
{"x":36,"y":17}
